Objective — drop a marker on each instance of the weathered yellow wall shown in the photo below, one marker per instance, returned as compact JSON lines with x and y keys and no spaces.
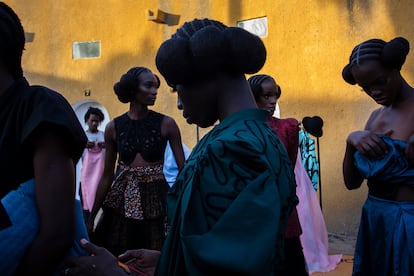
{"x":308,"y":44}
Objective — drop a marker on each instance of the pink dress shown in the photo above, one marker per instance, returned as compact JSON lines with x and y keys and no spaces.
{"x":92,"y":170}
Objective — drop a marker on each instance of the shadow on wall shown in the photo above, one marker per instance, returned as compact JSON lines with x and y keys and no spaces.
{"x":112,"y":69}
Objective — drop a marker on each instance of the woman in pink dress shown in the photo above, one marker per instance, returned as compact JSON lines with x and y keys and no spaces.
{"x":93,"y":159}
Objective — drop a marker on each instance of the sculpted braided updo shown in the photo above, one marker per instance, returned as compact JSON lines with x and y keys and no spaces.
{"x":202,"y":48}
{"x":391,"y":54}
{"x":127,"y":86}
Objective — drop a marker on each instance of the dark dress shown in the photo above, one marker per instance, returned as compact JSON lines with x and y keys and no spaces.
{"x":295,"y":264}
{"x":135,"y":206}
{"x":24,"y":112}
{"x":385,"y":243}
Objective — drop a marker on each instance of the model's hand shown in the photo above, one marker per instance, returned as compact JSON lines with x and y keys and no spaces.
{"x":144,"y":260}
{"x":90,"y":144}
{"x":100,"y":262}
{"x":369,"y":143}
{"x":409,"y":151}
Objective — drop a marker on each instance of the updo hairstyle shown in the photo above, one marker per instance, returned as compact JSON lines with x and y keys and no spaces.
{"x":391,"y":54}
{"x":127,"y":86}
{"x":202,"y":48}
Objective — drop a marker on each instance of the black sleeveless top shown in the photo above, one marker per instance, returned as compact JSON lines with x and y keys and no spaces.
{"x":140,"y":136}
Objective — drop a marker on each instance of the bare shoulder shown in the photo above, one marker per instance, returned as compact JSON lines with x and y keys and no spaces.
{"x":169,"y":127}
{"x":110,"y":131}
{"x":168,"y":121}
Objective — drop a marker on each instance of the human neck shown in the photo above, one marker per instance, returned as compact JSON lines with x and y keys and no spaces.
{"x":235,"y":96}
{"x":406,"y":92}
{"x":93,"y":130}
{"x":137,"y":111}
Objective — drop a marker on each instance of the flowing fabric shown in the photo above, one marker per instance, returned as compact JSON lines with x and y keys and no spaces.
{"x":314,"y":237}
{"x":92,"y":170}
{"x":385,"y":242}
{"x":16,"y":239}
{"x":230,"y":204}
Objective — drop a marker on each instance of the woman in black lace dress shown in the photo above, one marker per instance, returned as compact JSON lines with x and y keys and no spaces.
{"x":133,"y":196}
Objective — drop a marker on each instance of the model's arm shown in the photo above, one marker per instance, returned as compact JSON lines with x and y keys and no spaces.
{"x":108,"y":174}
{"x":352,"y":178}
{"x":172,"y":132}
{"x":409,"y":152}
{"x":54,"y":177}
{"x":368,"y":143}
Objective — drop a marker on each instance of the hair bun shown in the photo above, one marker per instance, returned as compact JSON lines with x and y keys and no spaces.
{"x":204,"y":47}
{"x":208,"y":49}
{"x":123,"y":94}
{"x":173,"y":61}
{"x":347,"y":75}
{"x":247,"y":53}
{"x":395,"y":52}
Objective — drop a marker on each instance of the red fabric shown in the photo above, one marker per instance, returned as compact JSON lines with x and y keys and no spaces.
{"x":288,"y":132}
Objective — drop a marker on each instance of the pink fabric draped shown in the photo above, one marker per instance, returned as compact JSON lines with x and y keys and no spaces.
{"x":92,"y":169}
{"x":314,"y":238}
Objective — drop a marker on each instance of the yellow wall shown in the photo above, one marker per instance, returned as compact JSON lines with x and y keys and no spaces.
{"x":308,"y":44}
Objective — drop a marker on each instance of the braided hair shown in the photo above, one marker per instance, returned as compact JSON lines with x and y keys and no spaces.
{"x":125,"y":88}
{"x":391,"y":54}
{"x":255,"y":83}
{"x":203,"y":48}
{"x":12,"y":41}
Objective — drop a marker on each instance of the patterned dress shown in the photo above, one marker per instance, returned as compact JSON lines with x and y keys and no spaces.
{"x":135,"y":206}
